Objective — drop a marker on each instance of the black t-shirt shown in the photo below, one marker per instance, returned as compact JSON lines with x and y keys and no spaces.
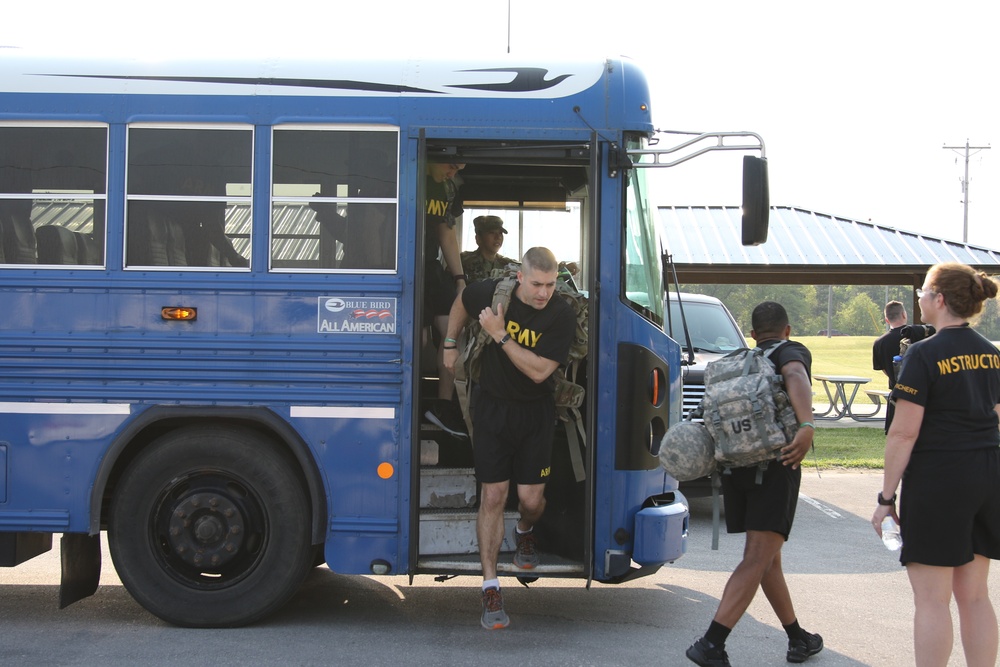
{"x":548,"y":333}
{"x":790,"y":350}
{"x":884,"y":349}
{"x":955,"y":375}
{"x":443,"y":205}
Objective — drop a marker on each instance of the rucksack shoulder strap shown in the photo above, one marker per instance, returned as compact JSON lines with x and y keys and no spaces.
{"x":768,"y":351}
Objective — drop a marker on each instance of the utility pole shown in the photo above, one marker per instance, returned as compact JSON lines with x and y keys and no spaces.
{"x":965,"y":182}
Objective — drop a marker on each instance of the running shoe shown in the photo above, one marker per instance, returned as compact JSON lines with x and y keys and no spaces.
{"x":494,"y":617}
{"x":707,"y":654}
{"x":800,"y":649}
{"x":525,"y":557}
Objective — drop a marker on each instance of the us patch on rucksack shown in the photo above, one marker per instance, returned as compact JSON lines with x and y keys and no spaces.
{"x":746,"y":409}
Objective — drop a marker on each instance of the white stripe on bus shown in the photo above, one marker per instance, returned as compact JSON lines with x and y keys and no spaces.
{"x":66,"y":408}
{"x":336,"y":412}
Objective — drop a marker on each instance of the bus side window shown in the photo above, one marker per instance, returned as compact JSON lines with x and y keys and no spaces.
{"x":183,"y":184}
{"x":52,"y":176}
{"x":334,"y":198}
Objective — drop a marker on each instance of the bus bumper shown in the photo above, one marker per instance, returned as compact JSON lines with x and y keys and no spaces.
{"x":661,"y":531}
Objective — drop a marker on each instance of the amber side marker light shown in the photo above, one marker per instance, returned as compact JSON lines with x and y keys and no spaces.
{"x":657,"y":387}
{"x":179,"y":313}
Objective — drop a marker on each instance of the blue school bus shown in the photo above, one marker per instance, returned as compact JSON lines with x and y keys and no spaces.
{"x":212,"y":350}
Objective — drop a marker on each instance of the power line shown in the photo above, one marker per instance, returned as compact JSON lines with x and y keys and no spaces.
{"x":965,"y":182}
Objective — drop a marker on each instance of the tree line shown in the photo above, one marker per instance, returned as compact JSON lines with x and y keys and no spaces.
{"x":854,"y":310}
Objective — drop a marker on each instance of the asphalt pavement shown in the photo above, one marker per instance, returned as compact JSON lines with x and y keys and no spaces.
{"x":845,"y":585}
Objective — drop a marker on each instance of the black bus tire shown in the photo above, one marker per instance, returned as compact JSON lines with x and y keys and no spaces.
{"x":209,"y":527}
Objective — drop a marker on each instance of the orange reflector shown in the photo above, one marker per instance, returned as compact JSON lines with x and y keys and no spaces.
{"x":385,"y":470}
{"x":654,"y":387}
{"x":178,"y":313}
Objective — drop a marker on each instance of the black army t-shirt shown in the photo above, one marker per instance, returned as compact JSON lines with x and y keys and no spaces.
{"x":955,"y":375}
{"x":789,"y":350}
{"x":547,"y":332}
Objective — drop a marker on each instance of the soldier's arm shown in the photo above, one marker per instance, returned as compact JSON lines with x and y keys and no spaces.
{"x":799,"y":391}
{"x":458,"y":318}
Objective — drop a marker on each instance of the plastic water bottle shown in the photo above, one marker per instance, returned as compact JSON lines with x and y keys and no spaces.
{"x":897,"y":362}
{"x":890,"y":534}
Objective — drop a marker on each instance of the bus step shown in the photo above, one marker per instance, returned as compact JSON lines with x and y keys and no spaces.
{"x":454,"y":532}
{"x":551,"y":565}
{"x":447,"y":488}
{"x":437,"y":448}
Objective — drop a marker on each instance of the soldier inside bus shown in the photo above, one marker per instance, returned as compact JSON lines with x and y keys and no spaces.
{"x":444,"y":279}
{"x":486,"y":258}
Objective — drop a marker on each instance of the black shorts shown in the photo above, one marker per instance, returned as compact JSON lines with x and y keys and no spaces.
{"x":769,"y":505}
{"x":949,"y":507}
{"x":512,"y":440}
{"x":439,"y":290}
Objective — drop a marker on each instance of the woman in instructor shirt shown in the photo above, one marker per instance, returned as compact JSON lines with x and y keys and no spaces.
{"x":945,"y":448}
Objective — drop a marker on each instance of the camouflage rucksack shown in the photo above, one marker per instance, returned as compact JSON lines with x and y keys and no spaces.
{"x":569,"y":394}
{"x":746,"y":409}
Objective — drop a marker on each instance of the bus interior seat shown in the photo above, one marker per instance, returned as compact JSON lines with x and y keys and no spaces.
{"x":58,"y":245}
{"x":155,"y":239}
{"x":17,"y":235}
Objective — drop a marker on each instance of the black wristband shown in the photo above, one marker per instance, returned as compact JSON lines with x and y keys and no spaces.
{"x":460,"y":276}
{"x":883,"y":501}
{"x":506,"y":337}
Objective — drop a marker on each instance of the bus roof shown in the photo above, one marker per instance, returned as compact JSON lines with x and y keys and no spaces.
{"x":30,"y":72}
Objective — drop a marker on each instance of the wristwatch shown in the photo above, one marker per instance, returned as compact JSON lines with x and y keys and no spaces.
{"x":885,"y":501}
{"x":506,"y":337}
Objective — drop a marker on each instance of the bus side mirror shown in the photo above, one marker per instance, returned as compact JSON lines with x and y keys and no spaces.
{"x":756,"y":200}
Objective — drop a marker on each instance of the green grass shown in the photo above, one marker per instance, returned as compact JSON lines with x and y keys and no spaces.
{"x":857,"y":448}
{"x":843,"y":355}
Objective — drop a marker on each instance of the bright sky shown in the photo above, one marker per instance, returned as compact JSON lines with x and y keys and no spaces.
{"x":855,"y":100}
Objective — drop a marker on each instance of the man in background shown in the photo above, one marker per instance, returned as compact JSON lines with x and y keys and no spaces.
{"x":886,"y":347}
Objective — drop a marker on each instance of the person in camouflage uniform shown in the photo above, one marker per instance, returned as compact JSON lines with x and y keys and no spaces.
{"x":480,"y":263}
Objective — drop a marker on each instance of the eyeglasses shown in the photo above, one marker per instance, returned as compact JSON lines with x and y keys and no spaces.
{"x":922,"y":292}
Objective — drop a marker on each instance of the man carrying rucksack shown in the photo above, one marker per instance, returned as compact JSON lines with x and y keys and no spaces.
{"x":513,"y":407}
{"x":763,"y":507}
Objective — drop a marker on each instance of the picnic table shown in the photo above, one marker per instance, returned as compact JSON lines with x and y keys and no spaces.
{"x":841,"y":391}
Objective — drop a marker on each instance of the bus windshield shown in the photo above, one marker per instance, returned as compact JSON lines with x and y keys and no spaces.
{"x":641,"y":252}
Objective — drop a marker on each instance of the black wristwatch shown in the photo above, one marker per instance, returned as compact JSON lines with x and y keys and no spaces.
{"x":506,"y":337}
{"x":883,"y":501}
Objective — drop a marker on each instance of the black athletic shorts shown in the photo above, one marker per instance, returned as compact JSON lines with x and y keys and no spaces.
{"x":769,"y":505}
{"x":439,"y":290}
{"x":512,"y":440}
{"x":949,"y":507}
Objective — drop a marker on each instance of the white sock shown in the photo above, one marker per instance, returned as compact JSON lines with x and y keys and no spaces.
{"x":523,"y":532}
{"x":491,"y":583}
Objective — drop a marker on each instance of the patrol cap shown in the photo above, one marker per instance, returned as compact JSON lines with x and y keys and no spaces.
{"x":488,"y":223}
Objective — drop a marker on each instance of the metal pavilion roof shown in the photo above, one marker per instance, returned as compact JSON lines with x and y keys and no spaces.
{"x":806,"y":247}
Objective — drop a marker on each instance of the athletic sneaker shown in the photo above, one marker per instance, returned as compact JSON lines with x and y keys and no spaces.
{"x":494,"y":617}
{"x":707,"y":654}
{"x":525,"y":557}
{"x":447,"y":417}
{"x":800,"y":649}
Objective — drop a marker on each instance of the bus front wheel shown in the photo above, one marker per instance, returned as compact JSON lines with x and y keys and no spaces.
{"x":209,"y":527}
